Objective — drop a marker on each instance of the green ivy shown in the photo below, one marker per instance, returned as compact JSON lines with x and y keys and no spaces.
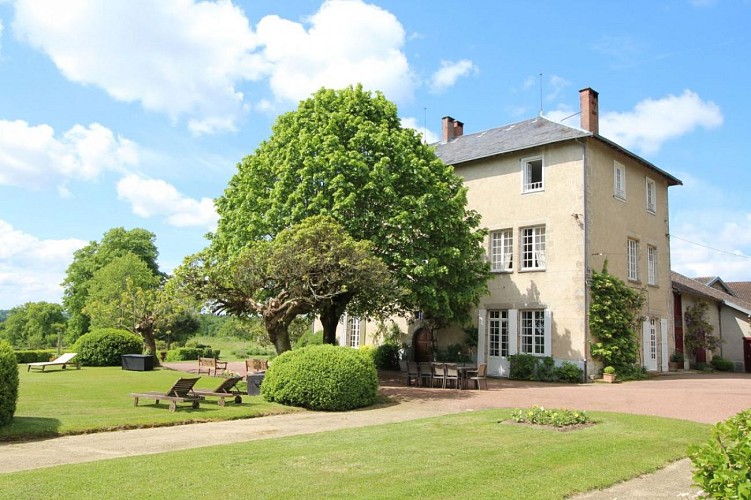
{"x":613,"y":320}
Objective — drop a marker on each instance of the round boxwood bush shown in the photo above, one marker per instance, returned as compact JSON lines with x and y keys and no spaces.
{"x":322,"y":377}
{"x":8,"y":382}
{"x":103,"y":347}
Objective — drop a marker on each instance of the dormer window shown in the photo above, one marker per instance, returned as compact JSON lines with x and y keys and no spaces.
{"x":532,"y":179}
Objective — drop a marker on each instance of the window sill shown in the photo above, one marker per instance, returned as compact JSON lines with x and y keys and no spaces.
{"x":622,"y":199}
{"x":634,"y":281}
{"x":532,"y":270}
{"x":502,"y":271}
{"x":653,"y":285}
{"x":651,"y":212}
{"x":532,"y":191}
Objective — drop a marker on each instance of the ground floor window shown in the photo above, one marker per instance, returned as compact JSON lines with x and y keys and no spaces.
{"x":353,"y":331}
{"x":498,"y":334}
{"x":533,"y":332}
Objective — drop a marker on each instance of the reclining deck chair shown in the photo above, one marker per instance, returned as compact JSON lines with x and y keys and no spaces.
{"x":181,"y":392}
{"x":63,"y":360}
{"x":226,"y":390}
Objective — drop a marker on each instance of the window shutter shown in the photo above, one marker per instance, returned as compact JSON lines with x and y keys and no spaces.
{"x":548,"y":315}
{"x":664,"y":342}
{"x":513,"y":328}
{"x":645,"y":342}
{"x":482,"y":332}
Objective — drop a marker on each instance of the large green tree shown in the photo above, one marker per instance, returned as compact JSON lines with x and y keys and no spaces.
{"x":344,"y":153}
{"x":304,"y":269}
{"x":88,"y":260}
{"x":34,"y":325}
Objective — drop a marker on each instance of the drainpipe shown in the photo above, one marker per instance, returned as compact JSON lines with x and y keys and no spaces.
{"x":586,"y":257}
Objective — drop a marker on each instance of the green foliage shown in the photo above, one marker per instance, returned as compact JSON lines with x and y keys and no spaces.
{"x":613,"y":320}
{"x":368,"y":351}
{"x":8,"y":383}
{"x":309,"y":338}
{"x":324,"y":377}
{"x":34,"y":356}
{"x":191,"y":353}
{"x":723,"y":465}
{"x":543,"y":369}
{"x":698,"y":333}
{"x":454,"y":353}
{"x":343,"y":153}
{"x":721,"y":364}
{"x":103,"y":347}
{"x":387,"y":356}
{"x":610,"y":370}
{"x":677,"y":357}
{"x":34,"y":325}
{"x":538,"y":415}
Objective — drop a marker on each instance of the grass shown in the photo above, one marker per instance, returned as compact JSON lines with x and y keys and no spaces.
{"x":233,"y":348}
{"x":471,"y":454}
{"x":59,"y":402}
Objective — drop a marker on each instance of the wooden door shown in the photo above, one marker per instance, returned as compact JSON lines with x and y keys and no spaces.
{"x":747,"y":353}
{"x":678,"y":321}
{"x":423,"y":345}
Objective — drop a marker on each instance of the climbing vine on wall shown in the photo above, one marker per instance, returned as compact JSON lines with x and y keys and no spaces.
{"x":698,"y":334}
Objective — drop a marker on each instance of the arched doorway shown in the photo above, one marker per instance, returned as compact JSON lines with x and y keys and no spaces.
{"x":422,"y":343}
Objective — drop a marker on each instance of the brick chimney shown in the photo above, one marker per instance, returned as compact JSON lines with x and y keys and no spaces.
{"x":590,"y":115}
{"x":451,"y":129}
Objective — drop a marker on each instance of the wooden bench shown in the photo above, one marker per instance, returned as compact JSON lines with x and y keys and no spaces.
{"x":211,"y":364}
{"x":181,"y":392}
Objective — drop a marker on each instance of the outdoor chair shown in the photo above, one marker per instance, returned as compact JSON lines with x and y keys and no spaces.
{"x":438,"y":373}
{"x":403,"y":375}
{"x":181,"y":392}
{"x":479,"y":375}
{"x":451,"y":374}
{"x":426,"y":373}
{"x":227,"y":389}
{"x":413,"y":373}
{"x":211,"y":364}
{"x":256,"y":365}
{"x":63,"y":360}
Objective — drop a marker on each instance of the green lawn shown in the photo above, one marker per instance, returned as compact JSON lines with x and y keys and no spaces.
{"x":229,"y":346}
{"x":58,"y":402}
{"x":467,"y":455}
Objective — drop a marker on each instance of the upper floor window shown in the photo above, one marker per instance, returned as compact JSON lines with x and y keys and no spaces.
{"x":651,"y":265}
{"x":651,"y":196}
{"x":532,"y":175}
{"x":619,"y":180}
{"x":533,"y":247}
{"x":501,"y":250}
{"x":353,"y":331}
{"x":633,"y":260}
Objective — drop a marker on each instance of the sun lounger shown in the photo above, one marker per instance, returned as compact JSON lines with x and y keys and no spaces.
{"x":63,"y":360}
{"x":226,"y":390}
{"x":181,"y":392}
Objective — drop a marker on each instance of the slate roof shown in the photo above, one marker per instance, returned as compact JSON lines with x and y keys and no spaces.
{"x":538,"y":131}
{"x":684,"y":284}
{"x":741,"y":289}
{"x":711,"y":281}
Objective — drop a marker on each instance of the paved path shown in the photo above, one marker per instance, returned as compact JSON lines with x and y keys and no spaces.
{"x":702,"y":398}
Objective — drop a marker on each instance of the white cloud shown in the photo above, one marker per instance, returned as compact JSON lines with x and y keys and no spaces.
{"x":449,"y":73}
{"x":345,"y":42}
{"x":31,"y":156}
{"x":154,"y":197}
{"x":653,"y":122}
{"x":178,"y":57}
{"x":32,"y":269}
{"x":427,"y":135}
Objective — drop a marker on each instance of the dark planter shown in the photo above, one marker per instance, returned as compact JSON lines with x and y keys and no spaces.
{"x":254,"y":383}
{"x":138,"y":362}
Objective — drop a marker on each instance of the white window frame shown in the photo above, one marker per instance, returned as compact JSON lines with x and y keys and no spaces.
{"x":502,"y":250}
{"x":527,"y":185}
{"x":651,"y":188}
{"x":535,"y":332}
{"x":651,"y":265}
{"x":632,"y":259}
{"x":353,"y":331}
{"x":532,"y":254}
{"x":498,"y":333}
{"x":619,"y":180}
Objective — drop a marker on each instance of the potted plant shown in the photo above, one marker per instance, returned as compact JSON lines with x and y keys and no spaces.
{"x":608,"y":374}
{"x":676,"y":361}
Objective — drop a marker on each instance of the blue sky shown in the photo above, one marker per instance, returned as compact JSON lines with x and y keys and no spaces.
{"x":134,"y":113}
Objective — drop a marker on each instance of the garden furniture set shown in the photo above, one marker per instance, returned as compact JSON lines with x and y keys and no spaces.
{"x":446,"y":374}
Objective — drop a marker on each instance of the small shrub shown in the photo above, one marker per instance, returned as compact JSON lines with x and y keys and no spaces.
{"x":631,"y":372}
{"x":8,"y":382}
{"x":609,"y":370}
{"x":34,"y":356}
{"x":387,"y":356}
{"x":723,"y":465}
{"x":523,"y":366}
{"x":721,"y":364}
{"x":569,"y":372}
{"x":323,"y":377}
{"x":369,"y":351}
{"x":191,"y":353}
{"x":309,"y":338}
{"x":104,"y":347}
{"x":538,"y":415}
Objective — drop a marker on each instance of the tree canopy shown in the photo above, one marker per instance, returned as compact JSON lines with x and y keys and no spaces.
{"x":34,"y":325}
{"x":343,"y":153}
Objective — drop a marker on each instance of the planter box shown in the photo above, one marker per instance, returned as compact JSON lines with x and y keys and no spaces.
{"x":137,"y":362}
{"x":254,"y":383}
{"x":608,"y":377}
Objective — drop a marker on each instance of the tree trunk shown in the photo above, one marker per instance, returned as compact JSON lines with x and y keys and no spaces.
{"x":330,"y":315}
{"x":278,"y":332}
{"x":146,"y":329}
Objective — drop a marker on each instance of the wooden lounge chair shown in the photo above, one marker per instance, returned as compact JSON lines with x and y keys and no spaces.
{"x":181,"y":392}
{"x":63,"y":360}
{"x":227,"y":389}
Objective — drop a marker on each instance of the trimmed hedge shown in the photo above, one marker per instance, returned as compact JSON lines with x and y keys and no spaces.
{"x":322,"y":377}
{"x":8,"y":382}
{"x":543,"y":369}
{"x":104,"y":347}
{"x":723,"y":465}
{"x":34,"y":356}
{"x":387,"y":356}
{"x":191,"y":353}
{"x":721,"y":364}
